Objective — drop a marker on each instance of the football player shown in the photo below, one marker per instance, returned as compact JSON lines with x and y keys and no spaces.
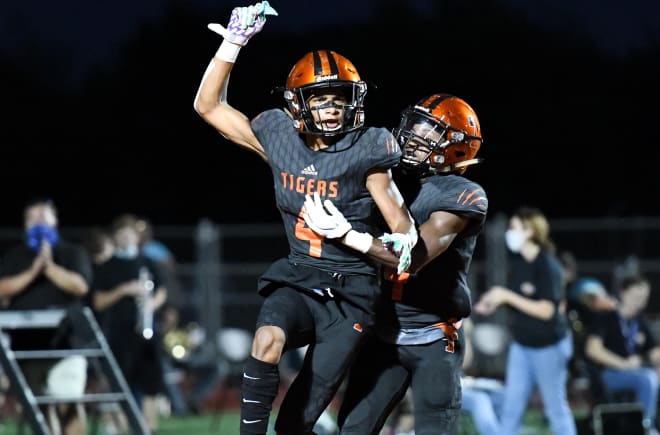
{"x":323,"y":294}
{"x":417,"y":339}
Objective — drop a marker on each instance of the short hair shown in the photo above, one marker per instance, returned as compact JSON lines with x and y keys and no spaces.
{"x":125,"y":220}
{"x":45,"y":202}
{"x":94,"y":239}
{"x":632,"y":280}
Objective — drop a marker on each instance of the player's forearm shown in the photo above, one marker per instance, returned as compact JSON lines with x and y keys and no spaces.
{"x":379,"y":253}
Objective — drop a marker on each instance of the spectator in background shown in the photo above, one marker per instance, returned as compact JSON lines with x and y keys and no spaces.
{"x":99,"y":244}
{"x":622,"y":344}
{"x":187,"y":352}
{"x":163,"y":257}
{"x":589,"y":297}
{"x":100,"y":247}
{"x":541,"y":345}
{"x":45,"y":272}
{"x":481,"y":397}
{"x":127,"y":294}
{"x":586,"y":298}
{"x":177,"y":315}
{"x":151,"y":247}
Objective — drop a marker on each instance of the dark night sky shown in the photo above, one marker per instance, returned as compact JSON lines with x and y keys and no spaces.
{"x":566,"y":176}
{"x":94,"y":30}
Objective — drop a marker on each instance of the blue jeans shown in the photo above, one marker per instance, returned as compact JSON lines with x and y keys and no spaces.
{"x":484,"y":407}
{"x":544,"y":367}
{"x":644,"y":381}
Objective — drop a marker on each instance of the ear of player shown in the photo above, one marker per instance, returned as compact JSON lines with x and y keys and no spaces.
{"x":244,"y":23}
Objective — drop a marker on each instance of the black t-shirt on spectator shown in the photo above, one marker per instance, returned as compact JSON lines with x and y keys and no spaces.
{"x":121,"y":318}
{"x":538,"y":280}
{"x":625,"y":337}
{"x":42,"y":293}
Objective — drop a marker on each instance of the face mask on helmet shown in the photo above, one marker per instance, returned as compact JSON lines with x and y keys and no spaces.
{"x":438,"y":135}
{"x":325,"y":95}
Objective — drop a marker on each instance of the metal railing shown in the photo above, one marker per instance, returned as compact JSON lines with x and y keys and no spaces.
{"x":219,"y":264}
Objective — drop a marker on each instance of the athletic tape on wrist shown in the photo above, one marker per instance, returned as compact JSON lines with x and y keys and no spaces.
{"x":358,"y":241}
{"x":228,"y":51}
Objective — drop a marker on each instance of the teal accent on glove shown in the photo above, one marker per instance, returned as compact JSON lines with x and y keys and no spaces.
{"x":401,"y":246}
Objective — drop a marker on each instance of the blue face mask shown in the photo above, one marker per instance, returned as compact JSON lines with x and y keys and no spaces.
{"x":37,"y":233}
{"x":126,"y":254}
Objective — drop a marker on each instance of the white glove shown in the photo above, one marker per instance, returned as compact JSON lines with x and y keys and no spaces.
{"x":324,"y":218}
{"x":244,"y":23}
{"x":400,"y":245}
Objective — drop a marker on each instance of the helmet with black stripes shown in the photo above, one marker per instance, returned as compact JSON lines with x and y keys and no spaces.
{"x":324,"y":72}
{"x":439,"y":134}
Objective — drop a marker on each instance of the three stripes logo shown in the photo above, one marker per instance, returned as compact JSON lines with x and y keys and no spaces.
{"x":309,"y":170}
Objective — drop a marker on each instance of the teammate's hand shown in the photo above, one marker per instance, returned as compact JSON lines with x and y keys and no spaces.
{"x":400,"y":245}
{"x":324,"y":218}
{"x":244,"y":23}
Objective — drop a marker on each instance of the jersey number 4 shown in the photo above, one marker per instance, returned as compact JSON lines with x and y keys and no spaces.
{"x":307,"y":234}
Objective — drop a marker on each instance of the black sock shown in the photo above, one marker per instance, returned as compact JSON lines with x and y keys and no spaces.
{"x":261,"y":381}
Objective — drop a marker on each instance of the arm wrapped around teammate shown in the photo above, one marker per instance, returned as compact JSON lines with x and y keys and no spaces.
{"x":400,"y":245}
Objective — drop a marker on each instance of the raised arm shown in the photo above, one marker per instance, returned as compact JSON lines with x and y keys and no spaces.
{"x":211,"y":98}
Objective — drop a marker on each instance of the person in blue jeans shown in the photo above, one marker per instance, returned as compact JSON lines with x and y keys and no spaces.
{"x":621,"y":343}
{"x":483,"y":402}
{"x":541,"y":344}
{"x":482,"y":397}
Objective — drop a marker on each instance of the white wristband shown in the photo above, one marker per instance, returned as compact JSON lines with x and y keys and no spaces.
{"x":412,"y":235}
{"x":228,"y":51}
{"x":358,"y":241}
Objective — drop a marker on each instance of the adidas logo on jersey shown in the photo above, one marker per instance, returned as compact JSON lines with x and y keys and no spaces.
{"x":309,"y":170}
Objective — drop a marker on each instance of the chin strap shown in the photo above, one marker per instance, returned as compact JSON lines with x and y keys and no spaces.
{"x":459,"y":165}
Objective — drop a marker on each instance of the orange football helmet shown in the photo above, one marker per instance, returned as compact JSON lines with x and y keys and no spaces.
{"x":441,"y":133}
{"x":324,"y":71}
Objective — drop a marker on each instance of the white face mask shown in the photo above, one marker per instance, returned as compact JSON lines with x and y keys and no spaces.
{"x":126,"y":254}
{"x":515,"y":240}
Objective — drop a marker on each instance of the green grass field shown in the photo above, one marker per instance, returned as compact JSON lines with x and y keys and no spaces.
{"x":227,"y":424}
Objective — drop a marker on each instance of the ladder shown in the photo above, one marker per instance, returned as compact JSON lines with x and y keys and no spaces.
{"x":89,"y":341}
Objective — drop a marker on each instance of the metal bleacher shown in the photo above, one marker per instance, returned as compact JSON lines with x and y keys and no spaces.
{"x":89,"y":342}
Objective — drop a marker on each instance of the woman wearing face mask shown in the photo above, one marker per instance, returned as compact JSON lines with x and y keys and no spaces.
{"x":541,"y":343}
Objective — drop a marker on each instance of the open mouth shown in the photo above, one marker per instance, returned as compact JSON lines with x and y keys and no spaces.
{"x":330,"y":125}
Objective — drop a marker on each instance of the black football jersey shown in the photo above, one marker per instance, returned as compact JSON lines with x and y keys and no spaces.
{"x":338,"y":173}
{"x":440,"y":291}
